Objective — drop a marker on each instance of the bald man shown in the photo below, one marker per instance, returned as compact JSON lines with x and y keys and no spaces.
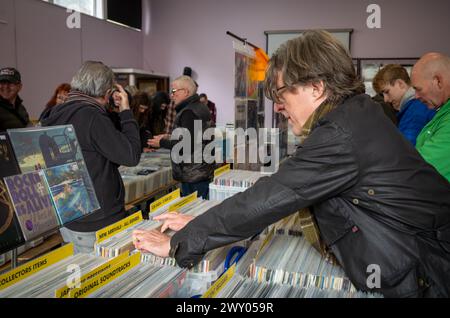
{"x":431,"y":80}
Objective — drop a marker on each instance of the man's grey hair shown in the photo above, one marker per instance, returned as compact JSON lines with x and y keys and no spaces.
{"x":93,"y":79}
{"x":188,"y":83}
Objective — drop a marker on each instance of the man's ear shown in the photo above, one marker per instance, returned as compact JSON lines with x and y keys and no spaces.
{"x":439,"y":81}
{"x":318,"y":89}
{"x":401,"y":83}
{"x":20,"y":87}
{"x":103,"y":100}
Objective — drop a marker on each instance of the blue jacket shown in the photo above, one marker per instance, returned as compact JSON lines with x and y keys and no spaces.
{"x":413,"y":116}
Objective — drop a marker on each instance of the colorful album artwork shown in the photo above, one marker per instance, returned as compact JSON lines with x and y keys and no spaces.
{"x":32,"y":203}
{"x":68,"y":192}
{"x":10,"y":233}
{"x":46,"y":147}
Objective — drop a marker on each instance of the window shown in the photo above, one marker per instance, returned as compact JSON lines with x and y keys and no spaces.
{"x":95,"y":8}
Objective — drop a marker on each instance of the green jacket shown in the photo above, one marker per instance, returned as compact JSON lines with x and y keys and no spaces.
{"x":433,"y":142}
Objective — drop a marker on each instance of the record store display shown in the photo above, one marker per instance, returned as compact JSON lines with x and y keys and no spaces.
{"x":39,"y":148}
{"x":269,"y":270}
{"x":44,"y":283}
{"x":10,"y":233}
{"x":32,"y":203}
{"x":68,"y":191}
{"x":45,"y":199}
{"x":153,"y":172}
{"x":122,"y":242}
{"x":145,"y":281}
{"x":240,"y":287}
{"x":210,"y":268}
{"x":279,"y":262}
{"x":292,"y":260}
{"x":232,"y":182}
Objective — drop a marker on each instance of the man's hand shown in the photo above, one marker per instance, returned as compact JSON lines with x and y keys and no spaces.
{"x":124,"y":102}
{"x":155,"y":142}
{"x":173,"y":221}
{"x":153,"y":242}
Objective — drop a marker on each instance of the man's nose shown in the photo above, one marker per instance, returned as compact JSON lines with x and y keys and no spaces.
{"x":278,"y":107}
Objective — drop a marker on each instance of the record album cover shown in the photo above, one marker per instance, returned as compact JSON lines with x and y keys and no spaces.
{"x":32,"y":204}
{"x":46,"y":147}
{"x":68,"y":192}
{"x":10,"y":233}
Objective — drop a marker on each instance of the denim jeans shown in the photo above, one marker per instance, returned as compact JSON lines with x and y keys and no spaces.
{"x":83,"y":241}
{"x":202,"y":188}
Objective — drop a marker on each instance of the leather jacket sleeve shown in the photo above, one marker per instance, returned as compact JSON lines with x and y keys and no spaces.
{"x":323,"y":167}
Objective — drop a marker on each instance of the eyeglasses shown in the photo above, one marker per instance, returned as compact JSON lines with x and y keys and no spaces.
{"x":278,"y":92}
{"x":174,"y":90}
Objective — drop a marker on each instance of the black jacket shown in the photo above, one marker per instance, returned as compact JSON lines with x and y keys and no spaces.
{"x":188,"y":112}
{"x":376,"y":201}
{"x":104,"y":149}
{"x":387,"y":108}
{"x":13,"y":117}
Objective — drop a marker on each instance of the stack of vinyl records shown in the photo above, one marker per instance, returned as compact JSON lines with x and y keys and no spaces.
{"x":240,"y":287}
{"x":212,"y":260}
{"x":144,"y":281}
{"x":232,"y":182}
{"x":292,"y":260}
{"x":152,"y":173}
{"x":123,"y":242}
{"x":44,"y":283}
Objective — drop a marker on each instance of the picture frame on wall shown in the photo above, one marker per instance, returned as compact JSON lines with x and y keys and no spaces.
{"x":369,"y":67}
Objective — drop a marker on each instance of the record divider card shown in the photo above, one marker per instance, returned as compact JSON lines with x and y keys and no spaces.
{"x":64,"y":291}
{"x":183,"y":202}
{"x":118,"y":227}
{"x":222,"y":170}
{"x":95,"y":283}
{"x":27,"y":270}
{"x":165,"y":200}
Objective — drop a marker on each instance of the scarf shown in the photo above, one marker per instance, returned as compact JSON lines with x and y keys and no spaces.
{"x":80,"y":97}
{"x":306,"y":218}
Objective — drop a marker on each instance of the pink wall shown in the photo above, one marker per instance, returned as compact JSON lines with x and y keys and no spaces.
{"x":192,"y":33}
{"x":179,"y":33}
{"x":7,"y":22}
{"x":48,"y":52}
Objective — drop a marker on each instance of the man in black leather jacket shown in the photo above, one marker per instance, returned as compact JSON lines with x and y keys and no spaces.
{"x":375,"y":200}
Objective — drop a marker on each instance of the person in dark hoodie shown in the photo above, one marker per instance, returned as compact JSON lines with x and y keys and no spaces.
{"x":104,"y":147}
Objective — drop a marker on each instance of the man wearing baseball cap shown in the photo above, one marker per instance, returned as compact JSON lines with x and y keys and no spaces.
{"x":12,"y":112}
